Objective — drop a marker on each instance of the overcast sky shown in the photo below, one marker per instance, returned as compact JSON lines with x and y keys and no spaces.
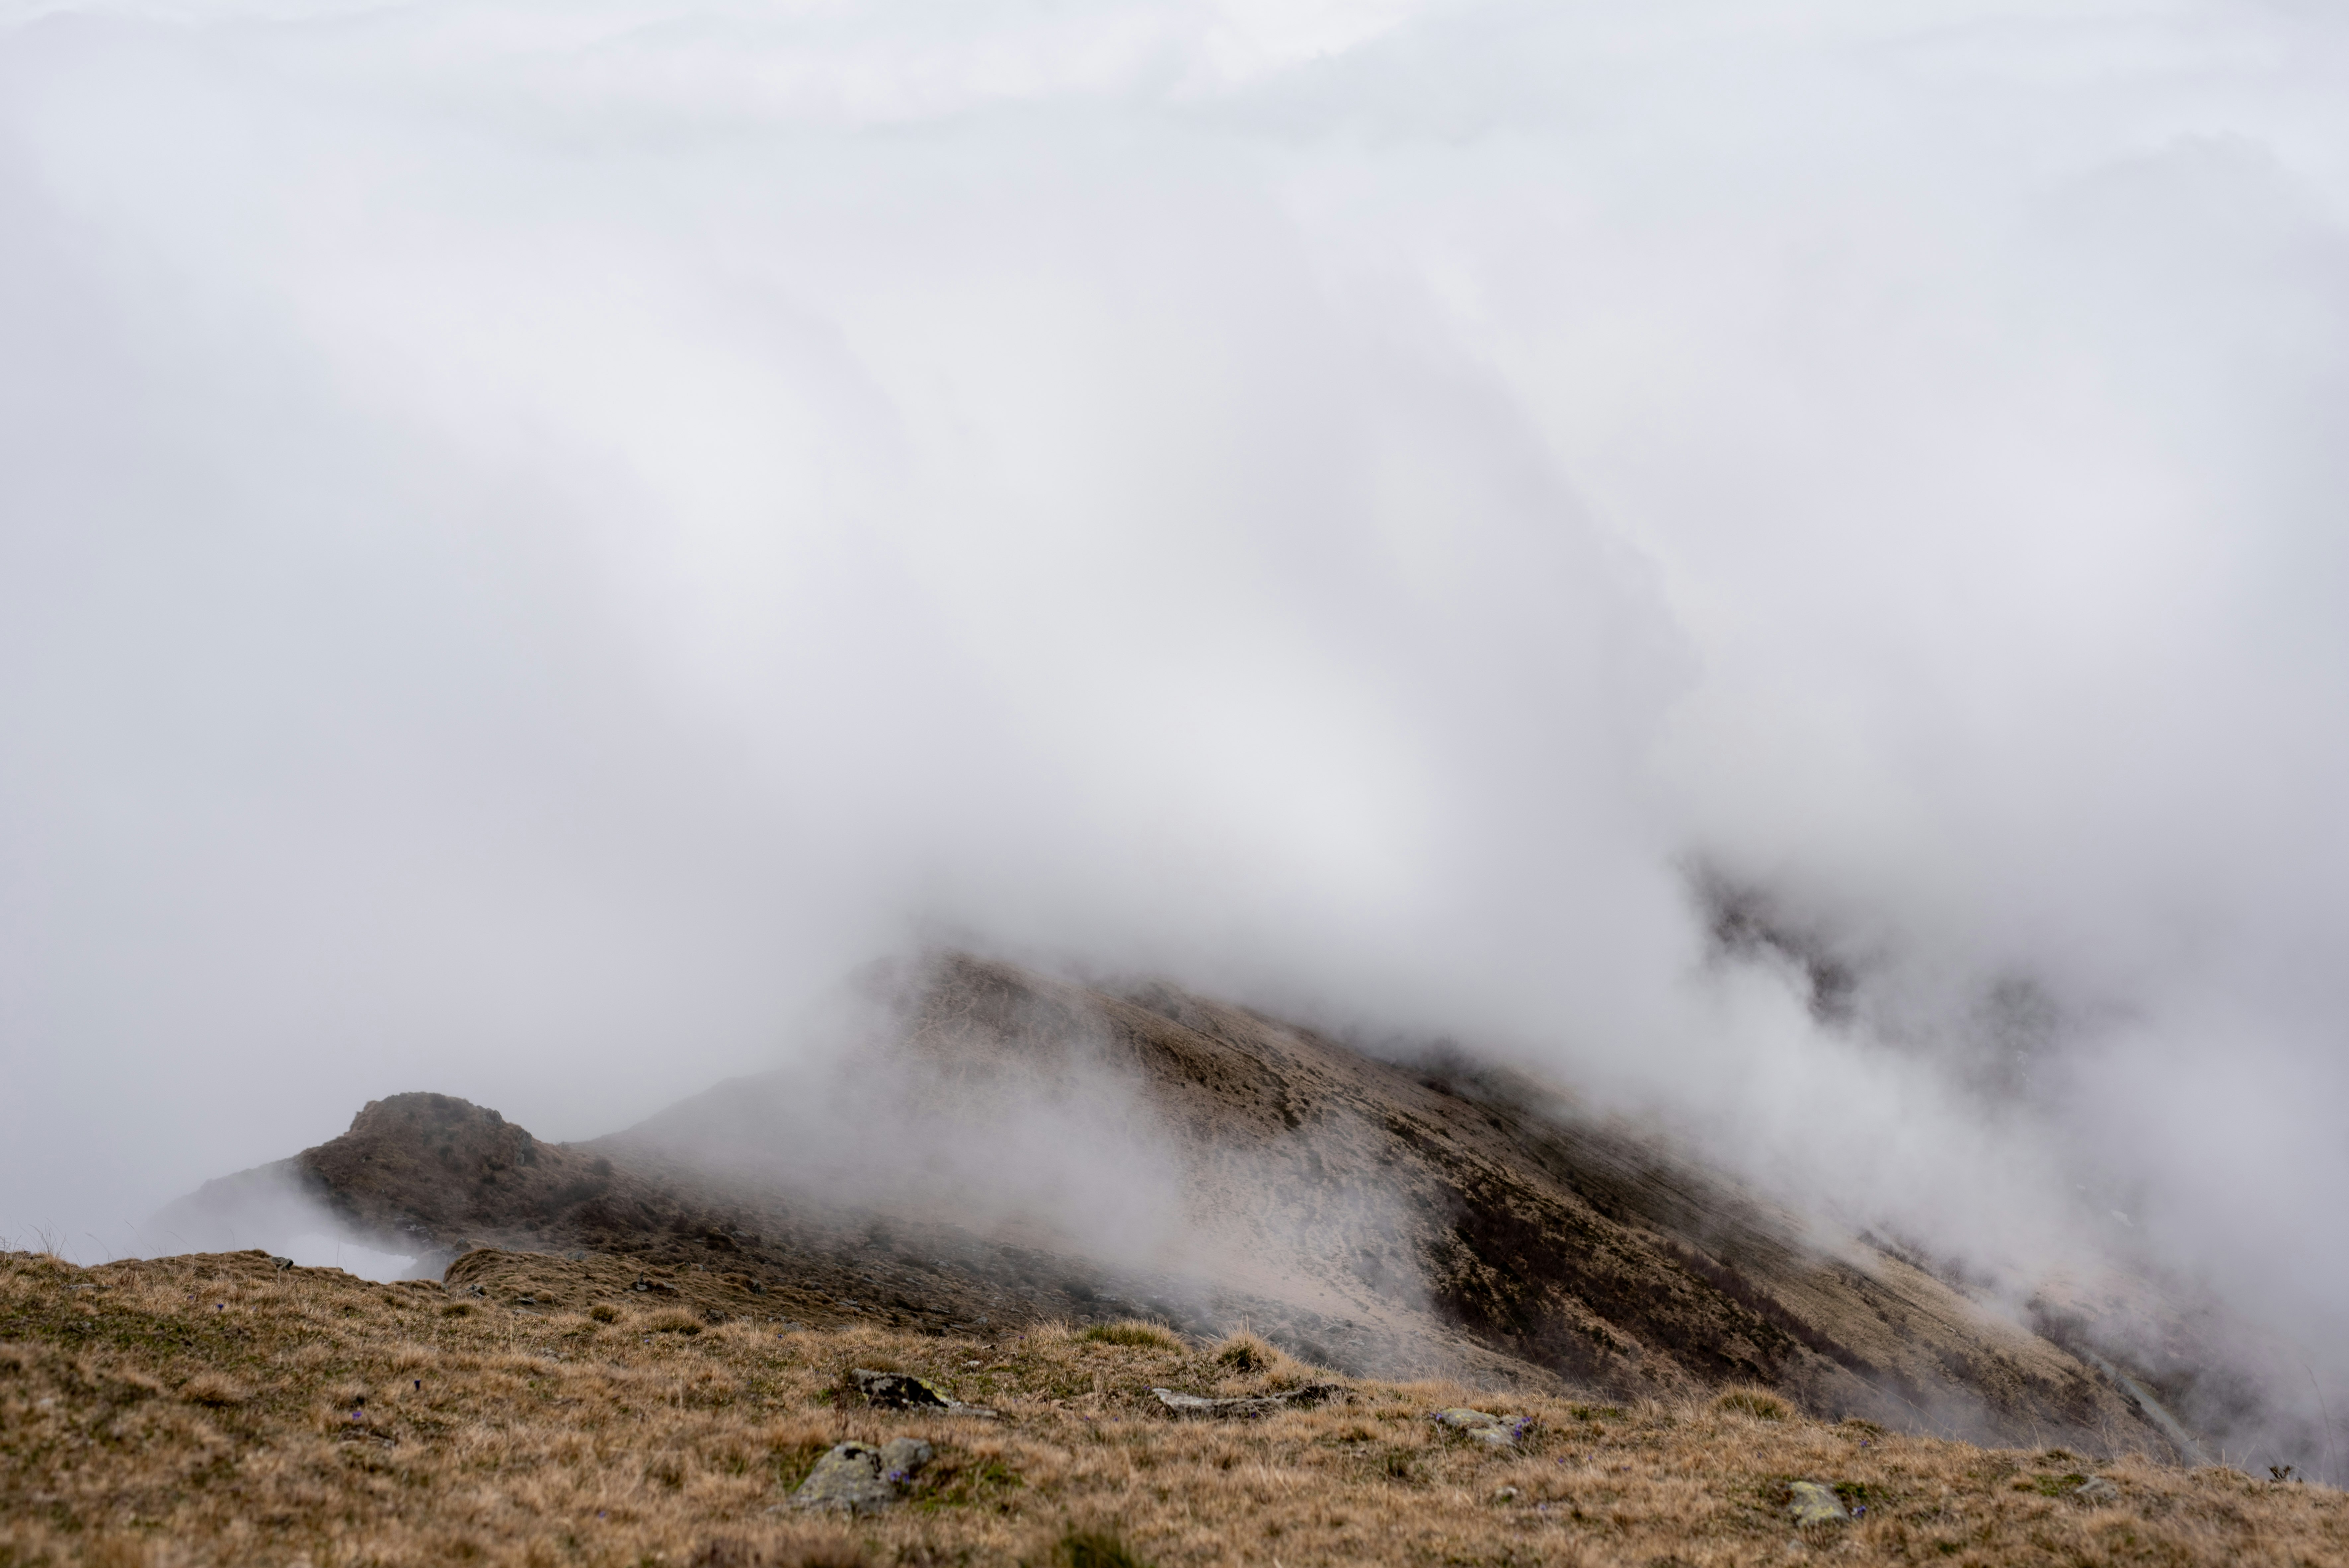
{"x":535,"y":537}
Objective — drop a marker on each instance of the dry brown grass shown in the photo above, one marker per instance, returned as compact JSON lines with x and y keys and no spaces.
{"x":540,"y":1436}
{"x":1759,"y":1403}
{"x":1138,"y":1332}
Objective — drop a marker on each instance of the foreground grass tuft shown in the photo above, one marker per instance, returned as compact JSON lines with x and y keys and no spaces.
{"x":1137,"y":1332}
{"x":1246,"y":1351}
{"x":216,"y":1412}
{"x":1759,"y":1403}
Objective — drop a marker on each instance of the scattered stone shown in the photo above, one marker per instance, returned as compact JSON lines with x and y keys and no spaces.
{"x":1812,"y":1503}
{"x":2097,"y":1490}
{"x":903,"y":1391}
{"x":899,"y":1390}
{"x":857,"y":1478}
{"x":1500,"y":1431}
{"x":283,"y":1264}
{"x":1248,"y":1407}
{"x":1507,"y":1494}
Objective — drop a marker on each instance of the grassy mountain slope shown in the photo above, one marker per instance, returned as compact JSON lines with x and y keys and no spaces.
{"x":537,"y":1411}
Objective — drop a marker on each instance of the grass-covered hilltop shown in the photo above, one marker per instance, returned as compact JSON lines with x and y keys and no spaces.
{"x":531,"y":1409}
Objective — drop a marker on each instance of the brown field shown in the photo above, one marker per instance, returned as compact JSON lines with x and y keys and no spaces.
{"x":199,"y":1411}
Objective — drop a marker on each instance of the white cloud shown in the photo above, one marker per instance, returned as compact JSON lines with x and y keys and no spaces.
{"x":532,"y":538}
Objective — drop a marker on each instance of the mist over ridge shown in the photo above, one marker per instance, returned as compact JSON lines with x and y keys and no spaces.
{"x":532,"y":540}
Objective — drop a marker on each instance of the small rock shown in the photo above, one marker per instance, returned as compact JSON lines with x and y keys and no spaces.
{"x":1815,"y":1505}
{"x":902,"y":1391}
{"x":283,"y":1264}
{"x":1249,"y":1406}
{"x":899,"y":1390}
{"x":857,"y":1478}
{"x":2097,"y":1490}
{"x":1507,"y":1494}
{"x":1500,"y":1431}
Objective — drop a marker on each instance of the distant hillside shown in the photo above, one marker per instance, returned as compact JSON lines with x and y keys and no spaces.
{"x":1026,"y":1150}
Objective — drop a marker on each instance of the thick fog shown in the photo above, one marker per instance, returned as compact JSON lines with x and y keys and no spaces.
{"x":1784,"y":562}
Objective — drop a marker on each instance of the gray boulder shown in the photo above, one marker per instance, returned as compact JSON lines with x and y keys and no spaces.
{"x":857,"y":1478}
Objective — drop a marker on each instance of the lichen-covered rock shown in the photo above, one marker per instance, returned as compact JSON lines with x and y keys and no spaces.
{"x":1812,"y":1503}
{"x":2097,"y":1490}
{"x":1248,"y":1407}
{"x":1500,"y":1431}
{"x":902,"y":1391}
{"x":899,"y":1390}
{"x":857,"y":1478}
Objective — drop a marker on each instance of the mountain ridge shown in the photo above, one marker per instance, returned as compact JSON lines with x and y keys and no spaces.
{"x":1431,"y":1218}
